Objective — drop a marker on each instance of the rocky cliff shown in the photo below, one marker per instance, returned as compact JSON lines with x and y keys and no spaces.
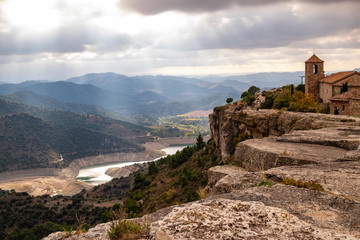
{"x":295,"y":177}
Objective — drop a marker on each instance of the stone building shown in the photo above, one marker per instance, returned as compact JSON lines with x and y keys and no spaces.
{"x":328,"y":88}
{"x":348,"y":103}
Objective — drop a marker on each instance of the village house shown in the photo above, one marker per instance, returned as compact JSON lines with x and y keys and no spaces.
{"x":340,"y":90}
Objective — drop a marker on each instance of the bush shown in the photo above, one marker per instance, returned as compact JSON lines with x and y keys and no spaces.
{"x":127,"y":230}
{"x":303,"y":103}
{"x":153,"y":169}
{"x":298,"y":183}
{"x":229,"y":100}
{"x":248,"y":96}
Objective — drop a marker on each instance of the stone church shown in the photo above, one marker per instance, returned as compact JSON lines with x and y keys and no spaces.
{"x":328,"y":88}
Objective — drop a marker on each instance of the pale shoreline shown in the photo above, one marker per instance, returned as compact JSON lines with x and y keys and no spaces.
{"x":42,"y":181}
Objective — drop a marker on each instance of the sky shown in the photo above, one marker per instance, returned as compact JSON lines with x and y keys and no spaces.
{"x":59,"y":39}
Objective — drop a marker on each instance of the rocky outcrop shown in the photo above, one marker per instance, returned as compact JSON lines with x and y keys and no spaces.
{"x":233,"y":219}
{"x":248,"y":199}
{"x":226,"y":124}
{"x":97,"y":233}
{"x":263,"y":154}
{"x":227,"y":178}
{"x":225,"y":217}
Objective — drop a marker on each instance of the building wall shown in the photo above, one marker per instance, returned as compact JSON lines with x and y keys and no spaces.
{"x":336,"y":90}
{"x":354,"y":107}
{"x":326,"y":92}
{"x":312,"y":79}
{"x":344,"y":108}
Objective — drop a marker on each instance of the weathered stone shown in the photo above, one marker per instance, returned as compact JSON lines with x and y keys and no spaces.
{"x":333,"y":214}
{"x":98,"y":232}
{"x":263,"y":154}
{"x":347,"y":138}
{"x":233,"y":219}
{"x":227,"y":178}
{"x":339,"y":178}
{"x":226,"y":124}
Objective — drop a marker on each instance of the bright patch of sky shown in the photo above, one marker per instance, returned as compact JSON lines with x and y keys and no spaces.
{"x":58,"y":39}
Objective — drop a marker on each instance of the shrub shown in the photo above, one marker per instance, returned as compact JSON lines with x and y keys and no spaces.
{"x":127,"y":230}
{"x":170,"y":194}
{"x":248,"y":96}
{"x":200,"y":142}
{"x":229,"y":100}
{"x":153,"y":169}
{"x":242,"y":137}
{"x":303,"y":103}
{"x":265,"y":183}
{"x":298,"y":183}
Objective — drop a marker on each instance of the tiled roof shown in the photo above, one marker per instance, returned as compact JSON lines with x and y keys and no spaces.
{"x":346,"y":96}
{"x":333,"y":78}
{"x":352,"y":81}
{"x":314,"y":59}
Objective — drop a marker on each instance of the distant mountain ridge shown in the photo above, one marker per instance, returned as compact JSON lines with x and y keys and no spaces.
{"x":139,"y":95}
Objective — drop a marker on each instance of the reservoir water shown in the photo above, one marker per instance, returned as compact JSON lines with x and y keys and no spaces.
{"x":95,"y":174}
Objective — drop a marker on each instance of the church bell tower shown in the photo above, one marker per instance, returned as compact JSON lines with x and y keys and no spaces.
{"x":314,"y":72}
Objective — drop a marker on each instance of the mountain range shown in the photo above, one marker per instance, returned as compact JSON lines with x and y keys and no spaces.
{"x":140,"y":95}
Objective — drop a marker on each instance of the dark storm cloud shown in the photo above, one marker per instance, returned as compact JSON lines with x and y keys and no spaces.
{"x":158,"y":6}
{"x":271,"y":27}
{"x":147,"y":7}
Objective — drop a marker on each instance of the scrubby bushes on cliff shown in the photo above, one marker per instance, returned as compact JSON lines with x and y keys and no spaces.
{"x":249,"y":95}
{"x":291,"y":99}
{"x":178,"y":180}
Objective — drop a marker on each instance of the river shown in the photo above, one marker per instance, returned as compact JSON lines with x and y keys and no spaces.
{"x":95,"y":174}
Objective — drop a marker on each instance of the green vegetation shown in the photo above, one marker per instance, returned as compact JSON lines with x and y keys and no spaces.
{"x":128,"y":230}
{"x":249,"y":95}
{"x":179,"y":179}
{"x":29,"y":142}
{"x":292,"y":99}
{"x":242,"y":137}
{"x":26,"y":217}
{"x":180,"y":126}
{"x":229,"y":100}
{"x":266,"y":183}
{"x":298,"y":183}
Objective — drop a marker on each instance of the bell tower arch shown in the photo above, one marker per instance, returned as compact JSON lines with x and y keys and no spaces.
{"x":314,"y":72}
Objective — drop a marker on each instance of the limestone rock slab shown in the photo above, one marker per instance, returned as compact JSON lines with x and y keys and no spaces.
{"x":234,"y":219}
{"x":263,"y":154}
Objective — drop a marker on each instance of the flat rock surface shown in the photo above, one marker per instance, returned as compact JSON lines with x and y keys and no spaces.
{"x":341,"y":178}
{"x":262,"y":154}
{"x":226,"y":178}
{"x":233,"y":219}
{"x":343,"y":137}
{"x":323,"y":210}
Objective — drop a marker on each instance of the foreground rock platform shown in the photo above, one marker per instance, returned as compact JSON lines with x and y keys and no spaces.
{"x":233,"y":219}
{"x":263,"y":154}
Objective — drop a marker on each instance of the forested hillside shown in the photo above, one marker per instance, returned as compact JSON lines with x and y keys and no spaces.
{"x":30,"y":142}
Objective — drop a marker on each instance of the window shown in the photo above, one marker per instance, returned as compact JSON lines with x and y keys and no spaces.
{"x":315,"y":69}
{"x":343,"y":107}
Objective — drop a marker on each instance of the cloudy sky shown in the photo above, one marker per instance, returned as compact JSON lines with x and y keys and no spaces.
{"x":58,"y":39}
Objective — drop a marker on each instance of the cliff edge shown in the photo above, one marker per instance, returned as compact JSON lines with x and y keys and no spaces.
{"x":288,"y":176}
